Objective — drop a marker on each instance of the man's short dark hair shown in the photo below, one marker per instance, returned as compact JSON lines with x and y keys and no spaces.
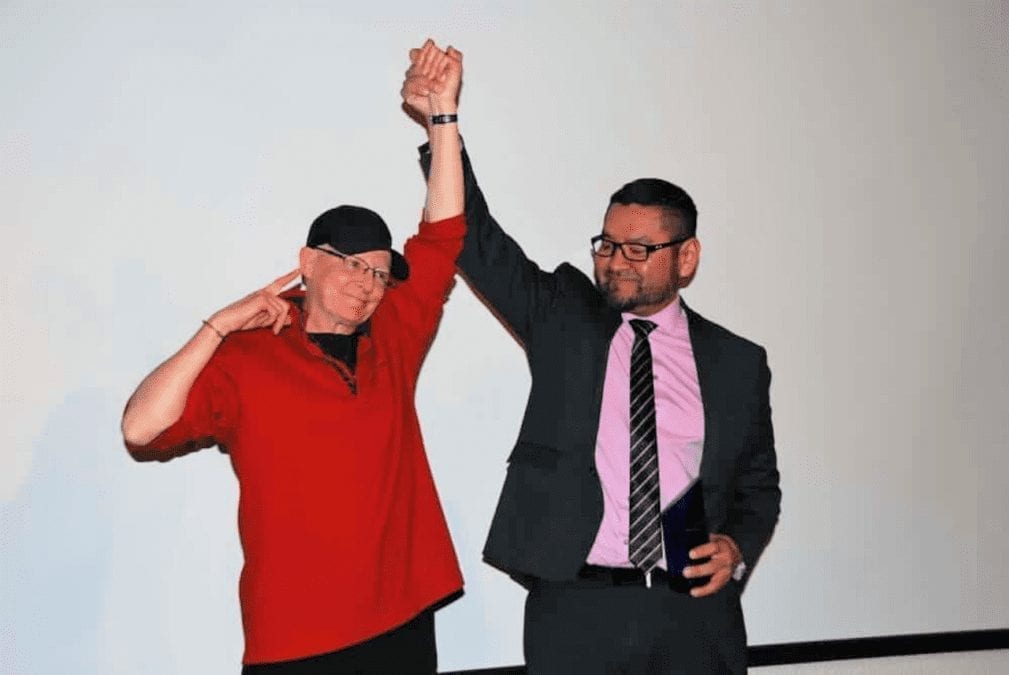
{"x":657,"y":192}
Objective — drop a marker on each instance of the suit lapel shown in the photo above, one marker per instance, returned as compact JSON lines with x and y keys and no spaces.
{"x":706,"y":359}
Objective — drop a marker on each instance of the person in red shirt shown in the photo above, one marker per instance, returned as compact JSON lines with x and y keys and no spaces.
{"x":311,"y":393}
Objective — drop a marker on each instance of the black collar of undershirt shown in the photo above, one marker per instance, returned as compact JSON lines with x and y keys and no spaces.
{"x":338,"y":345}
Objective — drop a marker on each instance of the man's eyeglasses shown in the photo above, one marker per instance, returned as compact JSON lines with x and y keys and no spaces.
{"x":607,"y":248}
{"x":357,"y":267}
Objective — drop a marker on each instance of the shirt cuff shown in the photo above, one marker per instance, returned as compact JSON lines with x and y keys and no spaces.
{"x":447,"y":227}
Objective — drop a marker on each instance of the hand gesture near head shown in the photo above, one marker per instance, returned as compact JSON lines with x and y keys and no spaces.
{"x":160,"y":399}
{"x":432,"y":82}
{"x":258,"y":309}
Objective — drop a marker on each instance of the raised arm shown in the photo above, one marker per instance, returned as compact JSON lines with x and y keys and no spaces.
{"x":416,"y":307}
{"x":437,"y":104}
{"x":161,"y":397}
{"x":492,"y":262}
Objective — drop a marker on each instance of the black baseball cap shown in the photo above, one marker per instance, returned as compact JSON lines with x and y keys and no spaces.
{"x":355,"y":229}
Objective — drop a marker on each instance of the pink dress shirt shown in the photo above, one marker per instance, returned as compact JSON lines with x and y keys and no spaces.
{"x":679,"y":418}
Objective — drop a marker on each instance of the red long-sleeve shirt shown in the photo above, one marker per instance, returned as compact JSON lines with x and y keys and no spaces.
{"x":343,"y":534}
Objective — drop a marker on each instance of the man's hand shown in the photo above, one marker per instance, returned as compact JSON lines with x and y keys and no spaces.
{"x":432,"y":82}
{"x":258,"y":309}
{"x":724,"y":556}
{"x":446,"y":72}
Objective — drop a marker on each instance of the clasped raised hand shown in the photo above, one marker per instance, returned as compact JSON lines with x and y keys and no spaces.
{"x":432,"y":82}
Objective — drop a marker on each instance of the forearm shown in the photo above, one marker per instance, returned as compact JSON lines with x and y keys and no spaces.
{"x":161,"y":398}
{"x":445,"y":185}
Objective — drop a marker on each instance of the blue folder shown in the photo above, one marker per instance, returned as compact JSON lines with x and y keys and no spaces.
{"x":684,"y":527}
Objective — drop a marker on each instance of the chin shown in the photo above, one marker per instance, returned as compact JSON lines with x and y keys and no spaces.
{"x":622,"y":304}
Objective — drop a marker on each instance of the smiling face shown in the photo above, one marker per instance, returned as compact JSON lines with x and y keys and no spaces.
{"x":337,"y":298}
{"x":644,"y":287}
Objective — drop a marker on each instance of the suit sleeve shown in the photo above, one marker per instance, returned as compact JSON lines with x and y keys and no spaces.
{"x":757,"y":498}
{"x":495,"y":265}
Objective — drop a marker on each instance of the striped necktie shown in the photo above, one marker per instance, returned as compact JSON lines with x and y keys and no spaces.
{"x":645,"y":547}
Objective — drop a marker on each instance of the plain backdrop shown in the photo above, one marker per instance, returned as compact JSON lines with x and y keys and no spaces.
{"x":850,"y":161}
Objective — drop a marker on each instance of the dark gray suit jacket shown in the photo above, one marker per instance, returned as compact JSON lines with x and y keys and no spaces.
{"x":551,"y":504}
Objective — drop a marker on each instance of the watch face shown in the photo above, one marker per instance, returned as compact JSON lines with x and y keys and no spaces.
{"x":739,"y":571}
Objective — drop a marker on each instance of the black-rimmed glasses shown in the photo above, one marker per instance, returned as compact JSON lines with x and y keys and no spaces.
{"x":358,"y":267}
{"x":607,"y":248}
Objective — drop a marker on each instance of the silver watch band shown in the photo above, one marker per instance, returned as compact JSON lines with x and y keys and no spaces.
{"x":739,"y":571}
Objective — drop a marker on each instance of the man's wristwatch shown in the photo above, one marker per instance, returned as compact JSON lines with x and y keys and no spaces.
{"x":739,"y":571}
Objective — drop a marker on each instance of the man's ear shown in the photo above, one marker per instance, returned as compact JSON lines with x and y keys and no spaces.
{"x":306,"y":260}
{"x":689,"y":259}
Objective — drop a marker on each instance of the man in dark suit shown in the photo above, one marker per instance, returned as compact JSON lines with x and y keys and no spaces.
{"x":638,"y":407}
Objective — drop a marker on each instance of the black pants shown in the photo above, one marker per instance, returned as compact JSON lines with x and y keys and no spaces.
{"x":585,"y":628}
{"x":407,"y":649}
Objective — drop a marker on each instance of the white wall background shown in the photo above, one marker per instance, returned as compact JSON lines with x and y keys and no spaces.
{"x":851,"y":164}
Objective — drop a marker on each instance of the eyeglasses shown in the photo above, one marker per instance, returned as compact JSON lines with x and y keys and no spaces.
{"x":607,"y":248}
{"x":357,"y":267}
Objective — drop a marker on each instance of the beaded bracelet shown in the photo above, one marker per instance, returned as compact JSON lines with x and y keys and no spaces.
{"x":213,"y":328}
